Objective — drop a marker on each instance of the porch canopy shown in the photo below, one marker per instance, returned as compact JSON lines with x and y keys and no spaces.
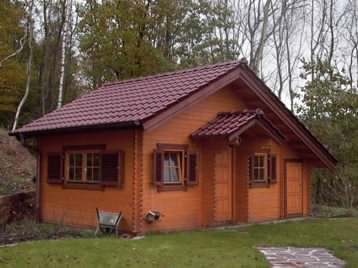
{"x":234,"y":124}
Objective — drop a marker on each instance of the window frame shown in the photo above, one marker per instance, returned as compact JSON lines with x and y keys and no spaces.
{"x":264,"y":168}
{"x":93,"y":167}
{"x":267,"y":181}
{"x":84,"y":167}
{"x":158,"y":167}
{"x":181,"y":168}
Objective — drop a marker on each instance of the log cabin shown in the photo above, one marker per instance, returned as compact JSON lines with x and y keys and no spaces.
{"x":190,"y":149}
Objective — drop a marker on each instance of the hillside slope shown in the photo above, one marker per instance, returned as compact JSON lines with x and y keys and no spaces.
{"x":17,"y":165}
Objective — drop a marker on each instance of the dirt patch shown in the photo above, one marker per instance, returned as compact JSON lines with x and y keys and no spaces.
{"x":321,"y":211}
{"x":17,"y":165}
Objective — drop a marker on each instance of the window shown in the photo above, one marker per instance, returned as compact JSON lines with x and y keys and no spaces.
{"x":93,"y":169}
{"x":84,"y":167}
{"x":262,"y":169}
{"x":174,"y":167}
{"x":75,"y":167}
{"x":259,"y":167}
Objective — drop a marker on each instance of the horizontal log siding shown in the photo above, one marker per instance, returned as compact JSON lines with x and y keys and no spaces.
{"x":77,"y":206}
{"x":266,"y":203}
{"x":192,"y":208}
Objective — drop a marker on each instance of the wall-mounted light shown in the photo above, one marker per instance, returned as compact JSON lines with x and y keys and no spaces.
{"x":152,"y":216}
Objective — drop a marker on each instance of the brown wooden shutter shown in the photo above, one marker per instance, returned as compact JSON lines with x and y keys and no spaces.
{"x":54,"y":168}
{"x":192,"y":168}
{"x":112,"y":168}
{"x":250,"y":167}
{"x":268,"y":171}
{"x":157,"y":167}
{"x":273,"y":168}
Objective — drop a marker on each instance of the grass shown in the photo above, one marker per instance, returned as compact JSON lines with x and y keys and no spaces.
{"x":29,"y":229}
{"x":219,"y":248}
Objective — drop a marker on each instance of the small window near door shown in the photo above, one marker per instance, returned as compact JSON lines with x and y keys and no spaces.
{"x":259,"y":168}
{"x":262,"y":169}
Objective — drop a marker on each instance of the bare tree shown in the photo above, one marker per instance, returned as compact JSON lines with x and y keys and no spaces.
{"x":44,"y":68}
{"x":29,"y":63}
{"x":258,"y":31}
{"x":65,"y":40}
{"x":351,"y":41}
{"x":278,"y":44}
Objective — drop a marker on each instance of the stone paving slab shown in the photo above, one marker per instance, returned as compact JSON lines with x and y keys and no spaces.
{"x":292,"y":257}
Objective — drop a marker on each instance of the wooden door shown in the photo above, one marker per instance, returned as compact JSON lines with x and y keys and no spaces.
{"x":294,"y":189}
{"x":223,"y":190}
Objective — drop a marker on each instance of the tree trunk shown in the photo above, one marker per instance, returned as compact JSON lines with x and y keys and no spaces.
{"x":65,"y":36}
{"x":44,"y":71}
{"x":28,"y":69}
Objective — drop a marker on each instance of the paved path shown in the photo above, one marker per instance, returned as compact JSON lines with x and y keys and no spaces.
{"x":291,"y":257}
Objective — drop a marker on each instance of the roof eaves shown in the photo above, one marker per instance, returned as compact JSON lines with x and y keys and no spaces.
{"x":121,"y":125}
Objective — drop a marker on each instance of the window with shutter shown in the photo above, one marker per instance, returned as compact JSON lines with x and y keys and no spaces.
{"x":262,"y":169}
{"x":259,"y":168}
{"x":174,"y":167}
{"x":94,"y":167}
{"x":54,"y":168}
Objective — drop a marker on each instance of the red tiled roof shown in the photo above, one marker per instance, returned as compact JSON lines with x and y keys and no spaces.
{"x":128,"y":101}
{"x":228,"y":123}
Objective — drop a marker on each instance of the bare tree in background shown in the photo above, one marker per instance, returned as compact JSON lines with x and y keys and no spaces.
{"x":278,"y":43}
{"x":44,"y":68}
{"x":351,"y":38}
{"x":258,"y":30}
{"x":29,"y":29}
{"x":65,"y":40}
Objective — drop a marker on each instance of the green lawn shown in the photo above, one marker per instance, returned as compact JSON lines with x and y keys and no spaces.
{"x":219,"y":248}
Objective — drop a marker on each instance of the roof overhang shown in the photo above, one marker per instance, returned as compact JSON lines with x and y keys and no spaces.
{"x":122,"y":125}
{"x":234,"y":125}
{"x":269,"y":129}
